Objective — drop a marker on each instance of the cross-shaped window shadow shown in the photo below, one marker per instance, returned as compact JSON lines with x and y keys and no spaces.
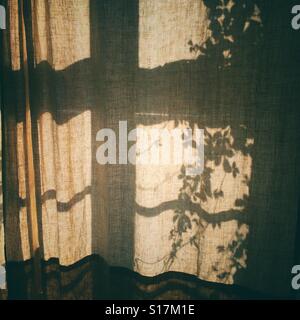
{"x":109,"y":86}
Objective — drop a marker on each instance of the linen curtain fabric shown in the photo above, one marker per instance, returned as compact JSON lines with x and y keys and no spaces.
{"x":228,"y":67}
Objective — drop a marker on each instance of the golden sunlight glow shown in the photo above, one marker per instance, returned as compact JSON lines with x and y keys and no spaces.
{"x":61,"y":30}
{"x":209,"y":247}
{"x":166,"y":27}
{"x":14,"y":35}
{"x":66,"y":174}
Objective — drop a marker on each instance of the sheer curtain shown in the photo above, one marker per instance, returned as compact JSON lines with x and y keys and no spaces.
{"x":77,"y":229}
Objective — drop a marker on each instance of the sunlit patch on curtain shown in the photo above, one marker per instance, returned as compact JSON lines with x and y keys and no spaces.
{"x":174,"y":30}
{"x":165,"y":29}
{"x":61,"y":31}
{"x":65,"y":170}
{"x":196,"y":224}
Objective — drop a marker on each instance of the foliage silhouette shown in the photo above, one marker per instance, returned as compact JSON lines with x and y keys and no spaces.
{"x":232,"y":25}
{"x":219,"y":149}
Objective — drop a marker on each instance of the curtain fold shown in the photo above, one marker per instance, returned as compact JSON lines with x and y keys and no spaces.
{"x":87,"y":65}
